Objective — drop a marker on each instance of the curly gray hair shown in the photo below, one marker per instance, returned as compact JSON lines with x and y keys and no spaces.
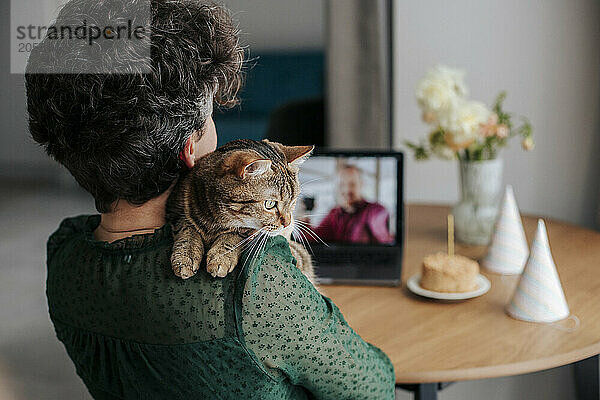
{"x":120,"y":135}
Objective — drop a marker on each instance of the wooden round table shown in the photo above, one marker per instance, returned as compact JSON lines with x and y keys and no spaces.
{"x":434,"y":341}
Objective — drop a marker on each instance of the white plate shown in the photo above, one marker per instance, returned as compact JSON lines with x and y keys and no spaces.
{"x":483,"y":285}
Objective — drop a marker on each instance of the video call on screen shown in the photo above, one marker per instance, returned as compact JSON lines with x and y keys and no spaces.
{"x":349,"y":200}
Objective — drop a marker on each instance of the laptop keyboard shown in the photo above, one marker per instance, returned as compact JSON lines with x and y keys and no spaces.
{"x":379,"y":258}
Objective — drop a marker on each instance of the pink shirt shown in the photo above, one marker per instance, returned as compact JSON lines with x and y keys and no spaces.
{"x":368,"y":224}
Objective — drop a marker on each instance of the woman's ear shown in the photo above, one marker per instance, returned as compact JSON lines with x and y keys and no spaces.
{"x":188,"y":155}
{"x":199,"y":144}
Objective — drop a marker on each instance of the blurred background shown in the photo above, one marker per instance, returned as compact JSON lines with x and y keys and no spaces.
{"x":340,"y":73}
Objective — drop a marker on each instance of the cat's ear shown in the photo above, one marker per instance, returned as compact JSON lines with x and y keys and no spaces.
{"x":294,"y":155}
{"x":256,"y":168}
{"x":245,"y":164}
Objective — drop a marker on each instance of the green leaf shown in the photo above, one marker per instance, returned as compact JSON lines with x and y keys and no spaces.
{"x":420,"y":152}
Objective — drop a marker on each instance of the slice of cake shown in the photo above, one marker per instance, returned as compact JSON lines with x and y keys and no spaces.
{"x":449,"y":274}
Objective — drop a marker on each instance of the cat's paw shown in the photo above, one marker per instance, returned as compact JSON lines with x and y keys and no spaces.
{"x":220,"y":265}
{"x":184,"y":267}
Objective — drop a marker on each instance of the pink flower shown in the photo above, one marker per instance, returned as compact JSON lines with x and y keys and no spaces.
{"x":489,"y":128}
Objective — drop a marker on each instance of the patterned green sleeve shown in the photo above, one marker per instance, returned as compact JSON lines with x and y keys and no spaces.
{"x":295,"y":331}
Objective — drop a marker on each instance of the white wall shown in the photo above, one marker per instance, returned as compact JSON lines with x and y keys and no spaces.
{"x":277,"y":24}
{"x":546,"y":54}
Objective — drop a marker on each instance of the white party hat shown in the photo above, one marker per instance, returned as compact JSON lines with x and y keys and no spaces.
{"x":508,"y":252}
{"x":539,"y":296}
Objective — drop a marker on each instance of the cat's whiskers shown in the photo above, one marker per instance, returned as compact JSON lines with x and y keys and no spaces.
{"x":258,"y":249}
{"x":263,"y":245}
{"x":253,"y":245}
{"x":273,"y":230}
{"x":308,"y":233}
{"x":303,"y":241}
{"x":313,"y":180}
{"x":306,"y":227}
{"x":245,"y":241}
{"x":276,"y":232}
{"x":302,"y":236}
{"x":256,"y":246}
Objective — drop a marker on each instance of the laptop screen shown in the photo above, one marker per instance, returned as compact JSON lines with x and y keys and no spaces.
{"x":348,"y":199}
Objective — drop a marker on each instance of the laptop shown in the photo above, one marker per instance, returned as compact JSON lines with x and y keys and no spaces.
{"x":351,"y":216}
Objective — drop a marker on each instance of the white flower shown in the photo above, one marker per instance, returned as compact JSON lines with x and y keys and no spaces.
{"x":440,"y":90}
{"x":463,"y":123}
{"x":502,"y":131}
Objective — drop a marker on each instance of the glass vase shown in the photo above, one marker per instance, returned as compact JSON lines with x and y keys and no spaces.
{"x":481,"y":190}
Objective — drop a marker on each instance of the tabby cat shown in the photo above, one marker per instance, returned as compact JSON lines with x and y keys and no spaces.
{"x":233,"y":198}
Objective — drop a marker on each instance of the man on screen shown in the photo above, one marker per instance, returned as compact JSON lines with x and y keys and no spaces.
{"x":354,"y":220}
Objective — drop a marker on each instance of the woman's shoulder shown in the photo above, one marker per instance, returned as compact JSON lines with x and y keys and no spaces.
{"x":69,"y":227}
{"x":273,"y":273}
{"x":127,"y":290}
{"x":275,"y":258}
{"x":75,"y":224}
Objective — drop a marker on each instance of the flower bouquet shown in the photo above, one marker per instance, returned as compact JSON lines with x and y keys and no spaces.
{"x":470,"y":132}
{"x":463,"y":129}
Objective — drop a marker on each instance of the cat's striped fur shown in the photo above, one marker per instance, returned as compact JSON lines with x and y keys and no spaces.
{"x":231,"y":199}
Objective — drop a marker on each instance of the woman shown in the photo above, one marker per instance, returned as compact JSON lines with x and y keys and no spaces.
{"x":132,"y":328}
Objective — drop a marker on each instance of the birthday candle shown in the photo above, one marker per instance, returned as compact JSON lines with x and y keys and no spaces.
{"x":450,"y":235}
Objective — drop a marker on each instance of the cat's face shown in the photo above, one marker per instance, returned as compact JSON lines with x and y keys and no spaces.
{"x":260,"y":186}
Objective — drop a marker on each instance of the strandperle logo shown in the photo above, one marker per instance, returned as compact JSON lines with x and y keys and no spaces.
{"x":80,"y":36}
{"x":89,"y":33}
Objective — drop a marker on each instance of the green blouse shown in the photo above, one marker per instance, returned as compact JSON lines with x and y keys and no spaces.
{"x":136,"y":331}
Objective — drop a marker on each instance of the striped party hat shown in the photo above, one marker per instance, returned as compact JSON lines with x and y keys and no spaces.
{"x":539,"y":296}
{"x":508,"y":252}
